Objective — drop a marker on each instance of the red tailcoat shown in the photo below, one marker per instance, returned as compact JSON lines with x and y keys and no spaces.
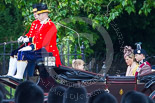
{"x":33,"y":29}
{"x":46,"y":37}
{"x":145,"y":67}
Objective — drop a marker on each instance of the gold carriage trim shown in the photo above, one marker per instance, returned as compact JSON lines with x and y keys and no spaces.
{"x":121,"y":92}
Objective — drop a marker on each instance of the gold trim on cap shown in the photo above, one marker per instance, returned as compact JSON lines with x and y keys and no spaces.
{"x":35,"y":9}
{"x":43,"y":11}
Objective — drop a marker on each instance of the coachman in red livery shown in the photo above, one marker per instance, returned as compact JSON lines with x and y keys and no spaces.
{"x":43,"y":40}
{"x":25,"y":39}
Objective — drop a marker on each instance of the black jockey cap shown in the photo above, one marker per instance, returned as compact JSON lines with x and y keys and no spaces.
{"x":139,"y":50}
{"x":142,"y":51}
{"x":34,"y":6}
{"x":42,"y":8}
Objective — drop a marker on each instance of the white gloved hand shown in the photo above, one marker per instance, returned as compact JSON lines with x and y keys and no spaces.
{"x":27,"y":48}
{"x":20,"y":39}
{"x":25,"y":40}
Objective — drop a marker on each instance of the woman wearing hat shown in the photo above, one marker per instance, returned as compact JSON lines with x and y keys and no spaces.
{"x":130,"y":61}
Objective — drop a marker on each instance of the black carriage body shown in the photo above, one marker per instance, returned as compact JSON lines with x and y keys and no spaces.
{"x":67,"y":76}
{"x":116,"y":85}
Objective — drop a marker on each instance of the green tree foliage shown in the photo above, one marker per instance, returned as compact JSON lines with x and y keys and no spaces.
{"x":129,"y":15}
{"x":11,"y":22}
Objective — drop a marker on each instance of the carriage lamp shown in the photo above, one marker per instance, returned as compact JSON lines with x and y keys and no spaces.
{"x":49,"y":61}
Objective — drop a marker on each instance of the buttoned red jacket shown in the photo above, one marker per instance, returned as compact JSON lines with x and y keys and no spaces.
{"x":33,"y":29}
{"x":46,"y":37}
{"x":143,"y":68}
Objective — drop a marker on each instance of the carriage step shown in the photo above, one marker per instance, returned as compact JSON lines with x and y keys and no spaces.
{"x":10,"y":81}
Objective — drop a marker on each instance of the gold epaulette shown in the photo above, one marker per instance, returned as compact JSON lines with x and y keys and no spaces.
{"x":48,"y":21}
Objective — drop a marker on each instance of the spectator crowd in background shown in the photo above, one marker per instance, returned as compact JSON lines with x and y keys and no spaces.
{"x":29,"y":92}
